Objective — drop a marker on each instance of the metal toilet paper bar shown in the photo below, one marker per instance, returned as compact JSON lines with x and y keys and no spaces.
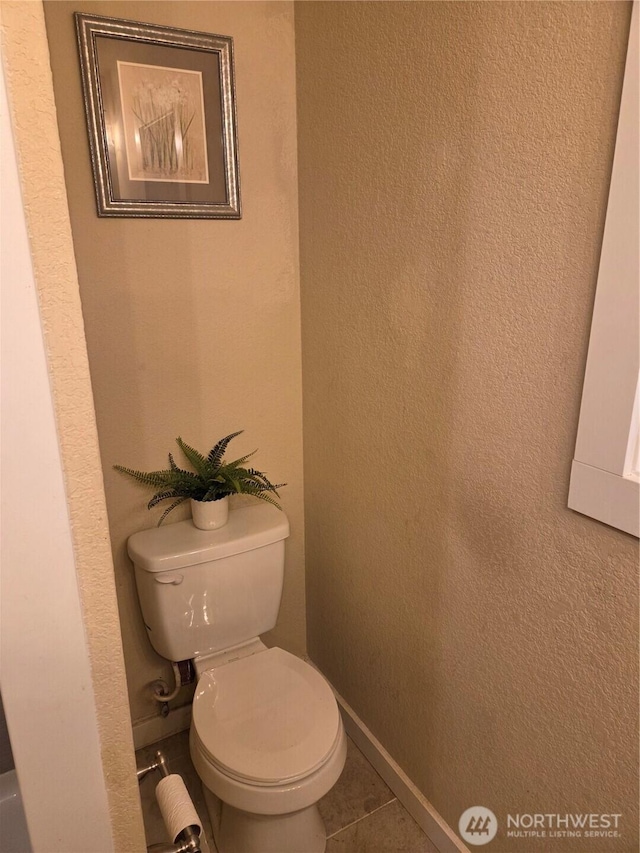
{"x":180,"y":817}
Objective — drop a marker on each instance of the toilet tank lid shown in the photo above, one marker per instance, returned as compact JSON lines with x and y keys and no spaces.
{"x":181,"y":544}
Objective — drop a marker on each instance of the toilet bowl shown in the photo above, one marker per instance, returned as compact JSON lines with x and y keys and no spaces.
{"x":268,"y":742}
{"x":266,"y":737}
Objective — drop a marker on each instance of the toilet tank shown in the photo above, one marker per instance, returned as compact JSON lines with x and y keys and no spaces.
{"x":203,"y":591}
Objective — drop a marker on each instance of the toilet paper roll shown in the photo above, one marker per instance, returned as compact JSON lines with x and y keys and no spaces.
{"x":175,"y":805}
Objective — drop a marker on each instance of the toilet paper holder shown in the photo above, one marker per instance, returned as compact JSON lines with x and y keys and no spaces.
{"x":188,"y":841}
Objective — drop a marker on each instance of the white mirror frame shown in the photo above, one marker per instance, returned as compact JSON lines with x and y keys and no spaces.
{"x":605,"y":482}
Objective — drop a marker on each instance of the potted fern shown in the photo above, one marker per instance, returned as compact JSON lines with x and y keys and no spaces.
{"x":208,"y":486}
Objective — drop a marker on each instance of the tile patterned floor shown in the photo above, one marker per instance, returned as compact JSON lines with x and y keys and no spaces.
{"x":360,"y":813}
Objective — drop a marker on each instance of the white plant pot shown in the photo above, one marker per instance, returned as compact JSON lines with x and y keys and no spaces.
{"x":210,"y":515}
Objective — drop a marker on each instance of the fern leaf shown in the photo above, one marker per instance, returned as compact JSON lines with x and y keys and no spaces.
{"x":238,"y":462}
{"x":173,"y":506}
{"x":262,"y":478}
{"x":183,"y":474}
{"x":199,"y":462}
{"x":269,"y":500}
{"x":147,"y":478}
{"x":182,"y":482}
{"x":263,"y":496}
{"x":217,"y":451}
{"x":235,"y":484}
{"x":160,"y":496}
{"x":231,"y":478}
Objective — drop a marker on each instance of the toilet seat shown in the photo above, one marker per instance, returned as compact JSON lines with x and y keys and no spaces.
{"x":267,"y":719}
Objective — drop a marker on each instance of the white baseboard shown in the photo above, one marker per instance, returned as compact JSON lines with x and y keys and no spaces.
{"x":152,"y":729}
{"x":433,"y":825}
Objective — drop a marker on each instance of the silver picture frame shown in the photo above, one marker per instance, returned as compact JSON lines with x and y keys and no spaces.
{"x":161,"y":119}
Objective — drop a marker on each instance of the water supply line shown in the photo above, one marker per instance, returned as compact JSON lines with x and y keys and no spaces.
{"x":183,"y":674}
{"x":160,"y":694}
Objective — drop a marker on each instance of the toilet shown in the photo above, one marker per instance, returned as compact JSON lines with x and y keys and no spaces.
{"x":266,"y":736}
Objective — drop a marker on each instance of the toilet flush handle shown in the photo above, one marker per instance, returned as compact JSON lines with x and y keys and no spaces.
{"x":174,"y":579}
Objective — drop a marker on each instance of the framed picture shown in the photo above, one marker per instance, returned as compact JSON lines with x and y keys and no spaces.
{"x":161,"y":119}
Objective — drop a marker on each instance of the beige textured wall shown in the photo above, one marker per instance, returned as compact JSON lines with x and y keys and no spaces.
{"x":454,"y":166}
{"x":193,"y":326}
{"x":29,"y":83}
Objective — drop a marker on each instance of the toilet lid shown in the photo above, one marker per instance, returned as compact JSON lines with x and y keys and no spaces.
{"x":268,"y":718}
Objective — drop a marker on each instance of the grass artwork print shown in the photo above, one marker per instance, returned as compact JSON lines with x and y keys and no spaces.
{"x":160,"y":109}
{"x":164,"y":123}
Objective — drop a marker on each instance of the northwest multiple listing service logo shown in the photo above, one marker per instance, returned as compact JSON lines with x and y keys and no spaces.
{"x":478,"y":825}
